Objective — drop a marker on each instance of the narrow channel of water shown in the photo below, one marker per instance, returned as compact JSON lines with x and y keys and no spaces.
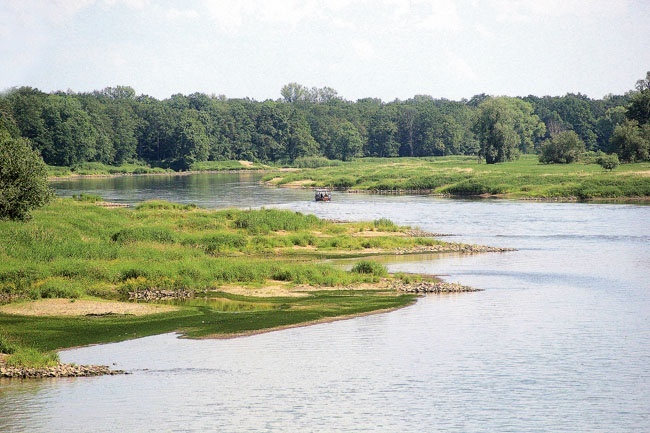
{"x":558,"y":341}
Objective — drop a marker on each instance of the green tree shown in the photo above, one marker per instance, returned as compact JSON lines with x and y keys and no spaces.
{"x":639,"y":108}
{"x":382,"y":135}
{"x":23,"y":178}
{"x":299,"y":141}
{"x":347,"y":142}
{"x":504,"y":127}
{"x":563,"y":148}
{"x":192,"y":144}
{"x":631,"y":142}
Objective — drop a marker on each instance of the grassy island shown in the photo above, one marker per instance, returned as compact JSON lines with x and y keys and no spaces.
{"x":79,"y":273}
{"x":462,"y":176}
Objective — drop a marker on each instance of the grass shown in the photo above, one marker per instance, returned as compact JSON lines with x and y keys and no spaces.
{"x":465,"y":176}
{"x":226,"y":165}
{"x":74,"y":249}
{"x":97,"y":168}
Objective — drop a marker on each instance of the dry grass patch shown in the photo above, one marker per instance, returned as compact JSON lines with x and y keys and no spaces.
{"x":82,"y":307}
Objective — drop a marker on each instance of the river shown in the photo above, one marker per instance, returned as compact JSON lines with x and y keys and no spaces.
{"x":559,"y":340}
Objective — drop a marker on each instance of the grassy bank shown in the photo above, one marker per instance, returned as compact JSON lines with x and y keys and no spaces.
{"x":99,"y":169}
{"x":249,"y":270}
{"x":525,"y":178}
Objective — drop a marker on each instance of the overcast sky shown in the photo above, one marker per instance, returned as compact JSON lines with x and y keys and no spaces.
{"x":385,"y":49}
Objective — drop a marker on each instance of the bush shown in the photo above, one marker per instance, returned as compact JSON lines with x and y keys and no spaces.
{"x":385,"y":224}
{"x":563,"y":148}
{"x":608,"y":162}
{"x":370,"y":267}
{"x":23,"y":179}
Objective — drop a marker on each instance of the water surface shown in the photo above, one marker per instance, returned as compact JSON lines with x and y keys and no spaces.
{"x":558,"y":341}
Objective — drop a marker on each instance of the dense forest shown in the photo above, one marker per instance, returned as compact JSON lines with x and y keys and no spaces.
{"x":115,"y":125}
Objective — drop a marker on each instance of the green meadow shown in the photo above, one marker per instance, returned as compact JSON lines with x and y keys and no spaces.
{"x":459,"y":176}
{"x":73,"y":249}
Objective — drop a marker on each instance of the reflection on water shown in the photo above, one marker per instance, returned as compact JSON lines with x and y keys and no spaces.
{"x":559,"y":340}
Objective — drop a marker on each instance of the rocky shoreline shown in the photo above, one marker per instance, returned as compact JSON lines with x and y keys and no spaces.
{"x":160,"y":295}
{"x":452,"y":248}
{"x":432,"y":287}
{"x":61,"y":370}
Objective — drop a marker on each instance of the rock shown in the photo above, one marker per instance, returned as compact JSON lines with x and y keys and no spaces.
{"x":159,"y":295}
{"x":432,"y":287}
{"x":60,"y":370}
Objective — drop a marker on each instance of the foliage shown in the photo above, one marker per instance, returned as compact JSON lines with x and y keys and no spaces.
{"x":608,"y":161}
{"x":464,"y":176}
{"x":506,"y":126}
{"x":565,"y":147}
{"x":114,"y":127}
{"x":370,"y":267}
{"x":23,"y":179}
{"x":385,"y":224}
{"x":75,"y":249}
{"x":631,"y":142}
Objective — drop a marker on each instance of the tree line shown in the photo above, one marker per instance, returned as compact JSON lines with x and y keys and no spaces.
{"x":115,"y":125}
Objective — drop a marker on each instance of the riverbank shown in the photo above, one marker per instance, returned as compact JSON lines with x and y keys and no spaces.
{"x":65,"y":273}
{"x":457,"y":177}
{"x":58,"y":371}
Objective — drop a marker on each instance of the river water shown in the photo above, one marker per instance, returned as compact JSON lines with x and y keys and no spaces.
{"x":559,"y":340}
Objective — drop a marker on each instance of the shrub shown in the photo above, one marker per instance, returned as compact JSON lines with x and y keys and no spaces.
{"x":370,"y":267}
{"x":563,"y":148}
{"x":608,"y":162}
{"x":385,"y":224}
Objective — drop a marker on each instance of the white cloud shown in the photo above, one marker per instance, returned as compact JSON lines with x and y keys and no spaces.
{"x":131,"y":4}
{"x":460,"y":68}
{"x":525,"y":11}
{"x":174,"y":14}
{"x":363,"y":49}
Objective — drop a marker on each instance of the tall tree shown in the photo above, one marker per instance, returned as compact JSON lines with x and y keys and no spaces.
{"x":631,"y":143}
{"x":23,"y":178}
{"x":347,"y":142}
{"x":639,"y":108}
{"x":505,"y":126}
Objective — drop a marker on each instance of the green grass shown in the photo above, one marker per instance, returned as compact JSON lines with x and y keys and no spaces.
{"x":225,"y":165}
{"x":74,"y":249}
{"x":465,"y":176}
{"x":32,"y":358}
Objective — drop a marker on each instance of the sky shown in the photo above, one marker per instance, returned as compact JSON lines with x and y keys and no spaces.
{"x":387,"y":49}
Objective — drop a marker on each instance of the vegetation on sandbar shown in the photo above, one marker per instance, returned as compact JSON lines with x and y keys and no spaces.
{"x":76,"y":250}
{"x":465,"y":176}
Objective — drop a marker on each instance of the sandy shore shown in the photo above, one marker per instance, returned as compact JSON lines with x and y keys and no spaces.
{"x":83,"y":307}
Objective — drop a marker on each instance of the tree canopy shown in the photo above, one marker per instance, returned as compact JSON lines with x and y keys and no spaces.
{"x":116,"y":125}
{"x":23,"y":178}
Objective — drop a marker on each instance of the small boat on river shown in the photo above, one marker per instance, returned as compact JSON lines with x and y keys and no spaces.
{"x":323,"y":194}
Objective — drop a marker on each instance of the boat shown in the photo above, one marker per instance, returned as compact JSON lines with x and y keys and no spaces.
{"x":323,"y":194}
